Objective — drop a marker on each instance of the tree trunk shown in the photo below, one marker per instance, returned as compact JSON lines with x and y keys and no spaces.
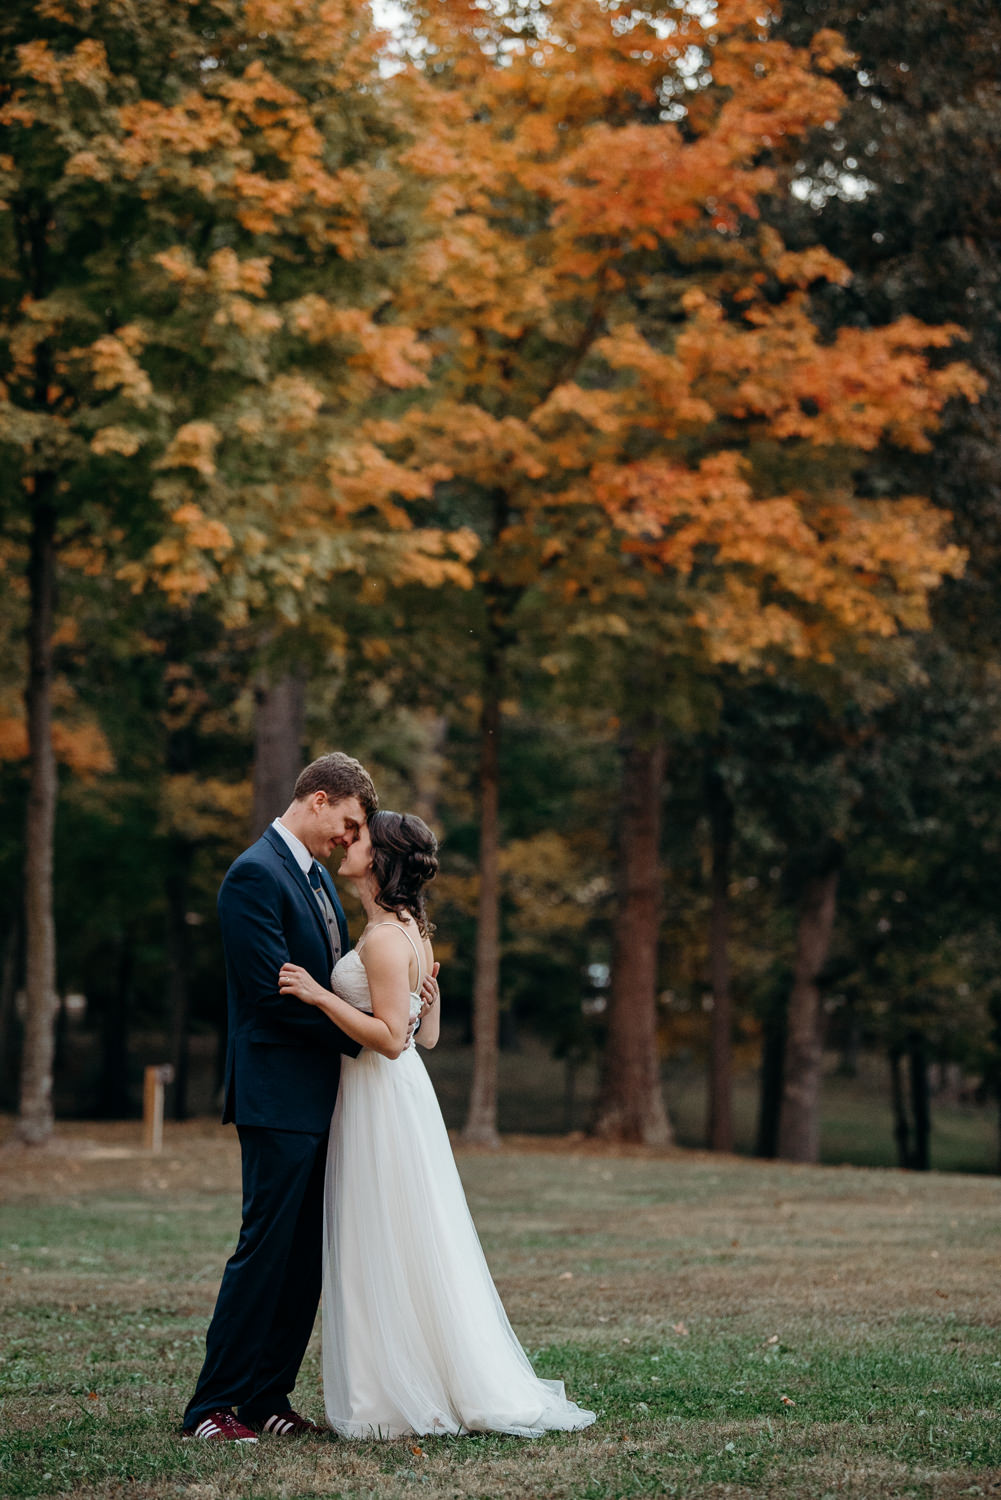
{"x":631,"y":1103}
{"x":178,"y":989}
{"x":901,"y":1124}
{"x":719,"y":1129}
{"x":799,"y":1119}
{"x":920,"y":1102}
{"x":770,"y":1095}
{"x":35,"y":1119}
{"x":481,"y":1122}
{"x":279,"y":724}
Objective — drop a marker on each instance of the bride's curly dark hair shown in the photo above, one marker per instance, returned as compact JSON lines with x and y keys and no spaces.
{"x":404,"y":859}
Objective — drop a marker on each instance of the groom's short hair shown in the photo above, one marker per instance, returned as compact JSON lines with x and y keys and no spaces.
{"x":340,"y":776}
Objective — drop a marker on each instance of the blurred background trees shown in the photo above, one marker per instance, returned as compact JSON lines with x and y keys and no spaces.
{"x":588,"y":419}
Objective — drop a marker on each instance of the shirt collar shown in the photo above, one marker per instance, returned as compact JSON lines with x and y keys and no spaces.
{"x":303,"y":858}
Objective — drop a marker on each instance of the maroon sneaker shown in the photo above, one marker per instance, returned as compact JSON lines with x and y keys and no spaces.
{"x":221,"y":1427}
{"x":290,"y":1424}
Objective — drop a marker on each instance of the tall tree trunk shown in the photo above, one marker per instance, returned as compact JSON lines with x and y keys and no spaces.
{"x":898,"y":1097}
{"x":799,"y":1120}
{"x":917,"y":1057}
{"x":719,"y":1129}
{"x":770,"y":1091}
{"x":178,"y":988}
{"x":279,"y":724}
{"x":631,"y":1102}
{"x":481,"y":1121}
{"x":35,"y":1119}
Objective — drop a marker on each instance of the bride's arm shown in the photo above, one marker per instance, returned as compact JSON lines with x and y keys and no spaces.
{"x":388,"y":976}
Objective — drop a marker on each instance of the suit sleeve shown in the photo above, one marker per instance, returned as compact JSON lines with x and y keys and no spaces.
{"x":250,"y":903}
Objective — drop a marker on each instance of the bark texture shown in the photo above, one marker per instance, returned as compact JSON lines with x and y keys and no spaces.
{"x":279,"y":722}
{"x":631,"y":1103}
{"x":799,"y":1119}
{"x":898,"y":1096}
{"x":35,"y":1115}
{"x":911,"y":1097}
{"x":719,"y":1130}
{"x":917,"y":1052}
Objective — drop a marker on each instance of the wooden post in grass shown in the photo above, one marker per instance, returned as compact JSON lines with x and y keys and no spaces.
{"x":154,"y":1080}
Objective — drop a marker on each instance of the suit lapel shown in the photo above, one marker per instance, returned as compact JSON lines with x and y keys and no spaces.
{"x":292,"y":865}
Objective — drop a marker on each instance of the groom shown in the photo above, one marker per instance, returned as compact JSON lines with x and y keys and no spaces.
{"x":278,"y":905}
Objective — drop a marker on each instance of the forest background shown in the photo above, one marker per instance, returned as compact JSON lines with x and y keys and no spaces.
{"x":587,"y":415}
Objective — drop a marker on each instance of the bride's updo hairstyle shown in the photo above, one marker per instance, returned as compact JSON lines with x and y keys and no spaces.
{"x":404,"y":859}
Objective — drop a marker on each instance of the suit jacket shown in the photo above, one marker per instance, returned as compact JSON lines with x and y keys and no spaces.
{"x":283,"y":1057}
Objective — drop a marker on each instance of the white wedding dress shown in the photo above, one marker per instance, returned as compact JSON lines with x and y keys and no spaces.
{"x":415,"y":1338}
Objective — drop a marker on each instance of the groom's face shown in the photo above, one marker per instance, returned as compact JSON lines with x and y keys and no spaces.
{"x":335,"y":825}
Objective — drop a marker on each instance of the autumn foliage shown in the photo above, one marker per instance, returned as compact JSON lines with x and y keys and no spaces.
{"x":487,"y":304}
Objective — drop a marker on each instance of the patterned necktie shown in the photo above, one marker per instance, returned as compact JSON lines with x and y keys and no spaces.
{"x":327,"y":908}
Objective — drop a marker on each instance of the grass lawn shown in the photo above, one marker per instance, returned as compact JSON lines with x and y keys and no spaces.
{"x":743,"y":1328}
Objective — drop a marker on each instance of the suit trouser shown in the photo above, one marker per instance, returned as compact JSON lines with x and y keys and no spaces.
{"x":270,"y":1290}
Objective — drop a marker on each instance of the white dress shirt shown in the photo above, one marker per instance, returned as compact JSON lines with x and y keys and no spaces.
{"x":303,"y":857}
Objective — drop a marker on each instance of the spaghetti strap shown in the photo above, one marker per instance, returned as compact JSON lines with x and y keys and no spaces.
{"x":400,"y":928}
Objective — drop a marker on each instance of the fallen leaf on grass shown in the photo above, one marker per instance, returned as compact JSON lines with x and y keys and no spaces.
{"x":773,"y":1340}
{"x":787,"y":1401}
{"x":681,"y":1329}
{"x":417,"y":1452}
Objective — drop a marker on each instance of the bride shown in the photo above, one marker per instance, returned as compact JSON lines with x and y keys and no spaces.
{"x":415,"y":1337}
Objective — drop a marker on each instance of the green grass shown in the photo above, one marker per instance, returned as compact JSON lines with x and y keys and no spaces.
{"x":743,"y":1329}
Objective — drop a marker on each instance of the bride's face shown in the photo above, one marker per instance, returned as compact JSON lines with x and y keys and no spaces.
{"x":357,"y":862}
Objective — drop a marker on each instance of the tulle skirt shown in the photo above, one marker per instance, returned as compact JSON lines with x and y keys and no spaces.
{"x":415,"y":1338}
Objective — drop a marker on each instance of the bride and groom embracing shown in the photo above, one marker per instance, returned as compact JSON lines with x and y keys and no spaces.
{"x":350,"y":1194}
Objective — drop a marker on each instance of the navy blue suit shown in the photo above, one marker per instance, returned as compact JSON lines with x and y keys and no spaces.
{"x":282,"y":1069}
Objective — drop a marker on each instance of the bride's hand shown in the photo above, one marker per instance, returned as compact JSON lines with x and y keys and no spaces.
{"x":429,"y":990}
{"x":295,"y":981}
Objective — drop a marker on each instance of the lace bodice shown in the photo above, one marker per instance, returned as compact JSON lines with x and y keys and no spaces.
{"x":350,"y":981}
